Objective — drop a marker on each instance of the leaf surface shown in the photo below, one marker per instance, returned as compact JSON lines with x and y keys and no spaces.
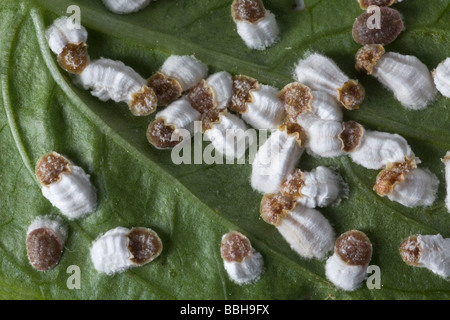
{"x":192,"y":206}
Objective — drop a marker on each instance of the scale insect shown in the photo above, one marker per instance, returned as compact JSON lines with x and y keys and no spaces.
{"x":66,"y":186}
{"x":321,"y":73}
{"x":68,"y":42}
{"x":347,"y":267}
{"x":120,"y":249}
{"x":113,"y":80}
{"x":258,"y":104}
{"x":427,"y":251}
{"x":45,"y":242}
{"x":306,"y":230}
{"x":241,"y":261}
{"x":255,"y":25}
{"x":125,"y":6}
{"x":406,"y":76}
{"x":176,"y":75}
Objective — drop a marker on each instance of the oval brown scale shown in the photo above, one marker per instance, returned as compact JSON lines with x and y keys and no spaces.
{"x":210,"y":117}
{"x":394,"y":174}
{"x":410,"y":251}
{"x":201,"y":97}
{"x":391,"y":25}
{"x":364,"y":4}
{"x":44,"y":248}
{"x":368,"y":56}
{"x":294,"y":129}
{"x":166,"y":89}
{"x":351,"y":135}
{"x":143,"y":102}
{"x":274,"y":207}
{"x":235,"y":247}
{"x":291,"y":188}
{"x":354,"y":248}
{"x":296,"y":99}
{"x":50,"y":167}
{"x":242,"y":88}
{"x":249,"y":10}
{"x":144,"y":245}
{"x":160,"y":135}
{"x":74,"y":57}
{"x":351,"y":94}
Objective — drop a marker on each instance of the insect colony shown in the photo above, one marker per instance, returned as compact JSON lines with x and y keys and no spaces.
{"x":305,"y":116}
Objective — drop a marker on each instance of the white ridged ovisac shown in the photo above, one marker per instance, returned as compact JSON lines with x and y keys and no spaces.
{"x":298,"y":99}
{"x":62,"y":33}
{"x":110,"y":79}
{"x":377,"y":149}
{"x":241,"y":261}
{"x":70,"y":190}
{"x":172,"y":123}
{"x":266,"y":110}
{"x":187,"y":70}
{"x":68,"y":42}
{"x":326,"y":107}
{"x":446,"y":161}
{"x":180,"y":114}
{"x":441,"y":77}
{"x":427,"y":251}
{"x":347,"y":267}
{"x":258,"y":104}
{"x":111,"y":252}
{"x":306,"y":230}
{"x":275,"y":159}
{"x":54,"y":223}
{"x":406,"y":76}
{"x":319,"y":187}
{"x":322,"y":136}
{"x":222,"y":85}
{"x":259,"y":30}
{"x":321,"y":73}
{"x":418,"y":189}
{"x":228,"y":136}
{"x":125,"y":6}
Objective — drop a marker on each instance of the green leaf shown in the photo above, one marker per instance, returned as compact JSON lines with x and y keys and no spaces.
{"x":191,"y":206}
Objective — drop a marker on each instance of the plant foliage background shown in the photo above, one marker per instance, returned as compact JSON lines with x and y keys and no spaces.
{"x":192,"y":206}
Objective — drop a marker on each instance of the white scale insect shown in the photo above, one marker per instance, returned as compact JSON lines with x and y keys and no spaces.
{"x":211,"y":99}
{"x":125,"y":6}
{"x":319,"y":187}
{"x":275,"y":159}
{"x":320,"y":73}
{"x":441,"y":77}
{"x":446,"y":161}
{"x":299,"y":99}
{"x":258,"y":104}
{"x":306,"y":230}
{"x":110,"y":79}
{"x":242,"y":262}
{"x":69,"y":43}
{"x":406,"y":76}
{"x":427,"y":251}
{"x":406,"y":184}
{"x":120,"y":249}
{"x":45,"y":242}
{"x":347,"y":267}
{"x":176,"y":75}
{"x":66,"y":186}
{"x":329,"y":138}
{"x":256,"y":25}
